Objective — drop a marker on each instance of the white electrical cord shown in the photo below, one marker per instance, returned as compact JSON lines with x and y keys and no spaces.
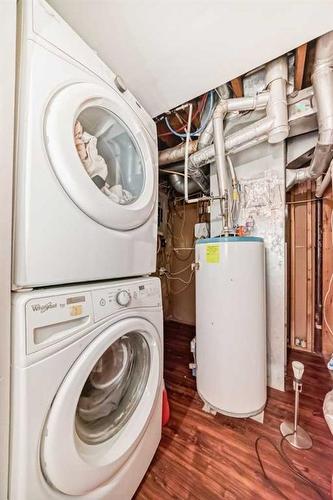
{"x":180,"y":279}
{"x":159,"y":245}
{"x":171,"y":172}
{"x":181,"y":271}
{"x":181,"y":290}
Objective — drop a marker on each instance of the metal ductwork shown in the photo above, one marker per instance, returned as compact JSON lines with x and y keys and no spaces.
{"x":177,"y":182}
{"x":175,"y":154}
{"x":322,"y":82}
{"x":175,"y":174}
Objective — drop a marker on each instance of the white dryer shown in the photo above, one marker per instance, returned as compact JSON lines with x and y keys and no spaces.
{"x":86,"y":163}
{"x":86,"y":390}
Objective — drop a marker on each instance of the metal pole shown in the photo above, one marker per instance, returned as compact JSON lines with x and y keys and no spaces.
{"x":296,"y":405}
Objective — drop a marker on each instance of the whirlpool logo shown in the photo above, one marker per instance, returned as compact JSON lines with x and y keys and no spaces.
{"x":42,"y":308}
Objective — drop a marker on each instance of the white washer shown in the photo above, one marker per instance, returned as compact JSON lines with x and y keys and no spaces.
{"x":86,"y":390}
{"x":78,"y":220}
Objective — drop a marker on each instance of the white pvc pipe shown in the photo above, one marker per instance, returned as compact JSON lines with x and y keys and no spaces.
{"x":220,"y":159}
{"x":187,"y":142}
{"x":276,"y":80}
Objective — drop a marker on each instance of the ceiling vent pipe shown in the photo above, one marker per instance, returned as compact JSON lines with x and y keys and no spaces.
{"x":322,"y":82}
{"x":274,"y":125}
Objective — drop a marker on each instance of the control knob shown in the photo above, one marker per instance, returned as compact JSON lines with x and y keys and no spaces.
{"x":123,"y":298}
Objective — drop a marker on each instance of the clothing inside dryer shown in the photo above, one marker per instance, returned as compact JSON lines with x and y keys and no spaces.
{"x":109,"y":154}
{"x":113,"y":389}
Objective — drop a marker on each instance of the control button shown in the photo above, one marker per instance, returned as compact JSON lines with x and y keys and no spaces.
{"x":123,"y":298}
{"x":102,"y":302}
{"x":119,"y":82}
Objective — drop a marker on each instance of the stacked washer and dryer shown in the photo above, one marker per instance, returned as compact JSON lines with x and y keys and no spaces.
{"x":86,"y":353}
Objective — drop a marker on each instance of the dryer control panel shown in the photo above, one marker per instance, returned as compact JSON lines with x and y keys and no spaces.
{"x":107,"y":301}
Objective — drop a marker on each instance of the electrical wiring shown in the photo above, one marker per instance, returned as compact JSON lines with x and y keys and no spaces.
{"x":181,"y":270}
{"x":171,"y":172}
{"x":176,"y":278}
{"x":183,"y":222}
{"x":180,"y":238}
{"x":202,"y":126}
{"x":186,"y":257}
{"x":168,"y":277}
{"x":325,"y":304}
{"x":159,"y":246}
{"x":181,"y":290}
{"x":183,"y":127}
{"x":289,"y":464}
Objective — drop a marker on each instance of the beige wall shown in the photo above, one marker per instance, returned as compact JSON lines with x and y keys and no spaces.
{"x":179,"y":299}
{"x":7,"y":72}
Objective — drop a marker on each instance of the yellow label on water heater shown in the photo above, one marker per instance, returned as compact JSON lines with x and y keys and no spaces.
{"x":213,"y":254}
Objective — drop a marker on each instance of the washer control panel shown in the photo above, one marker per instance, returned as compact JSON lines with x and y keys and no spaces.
{"x":51,"y":319}
{"x":107,"y":301}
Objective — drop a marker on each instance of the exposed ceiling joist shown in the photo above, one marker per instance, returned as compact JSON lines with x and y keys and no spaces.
{"x":300,"y":65}
{"x":237,"y":86}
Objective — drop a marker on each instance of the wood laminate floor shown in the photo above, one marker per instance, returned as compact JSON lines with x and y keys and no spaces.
{"x":205,"y":457}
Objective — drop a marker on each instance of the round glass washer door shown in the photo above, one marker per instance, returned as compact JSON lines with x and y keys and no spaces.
{"x":102,"y":407}
{"x":101,"y":155}
{"x":113,"y":389}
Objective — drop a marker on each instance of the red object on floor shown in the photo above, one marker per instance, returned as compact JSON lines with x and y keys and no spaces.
{"x":165,"y":408}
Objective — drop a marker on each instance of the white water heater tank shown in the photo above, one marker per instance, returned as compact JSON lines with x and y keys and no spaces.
{"x":231,"y":324}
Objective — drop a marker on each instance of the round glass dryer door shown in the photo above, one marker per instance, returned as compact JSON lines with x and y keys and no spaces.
{"x":102,"y":155}
{"x":102,"y":407}
{"x":109,"y":155}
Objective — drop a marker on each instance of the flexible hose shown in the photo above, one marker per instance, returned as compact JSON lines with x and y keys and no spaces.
{"x":289,"y":464}
{"x":202,"y":126}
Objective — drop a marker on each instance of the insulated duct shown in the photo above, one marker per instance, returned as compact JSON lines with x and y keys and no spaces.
{"x":302,"y":119}
{"x":275,"y":125}
{"x":175,"y":154}
{"x":238,"y":140}
{"x":322,"y":82}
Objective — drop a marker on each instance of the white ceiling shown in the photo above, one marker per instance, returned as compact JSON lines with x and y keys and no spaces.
{"x":169,"y":51}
